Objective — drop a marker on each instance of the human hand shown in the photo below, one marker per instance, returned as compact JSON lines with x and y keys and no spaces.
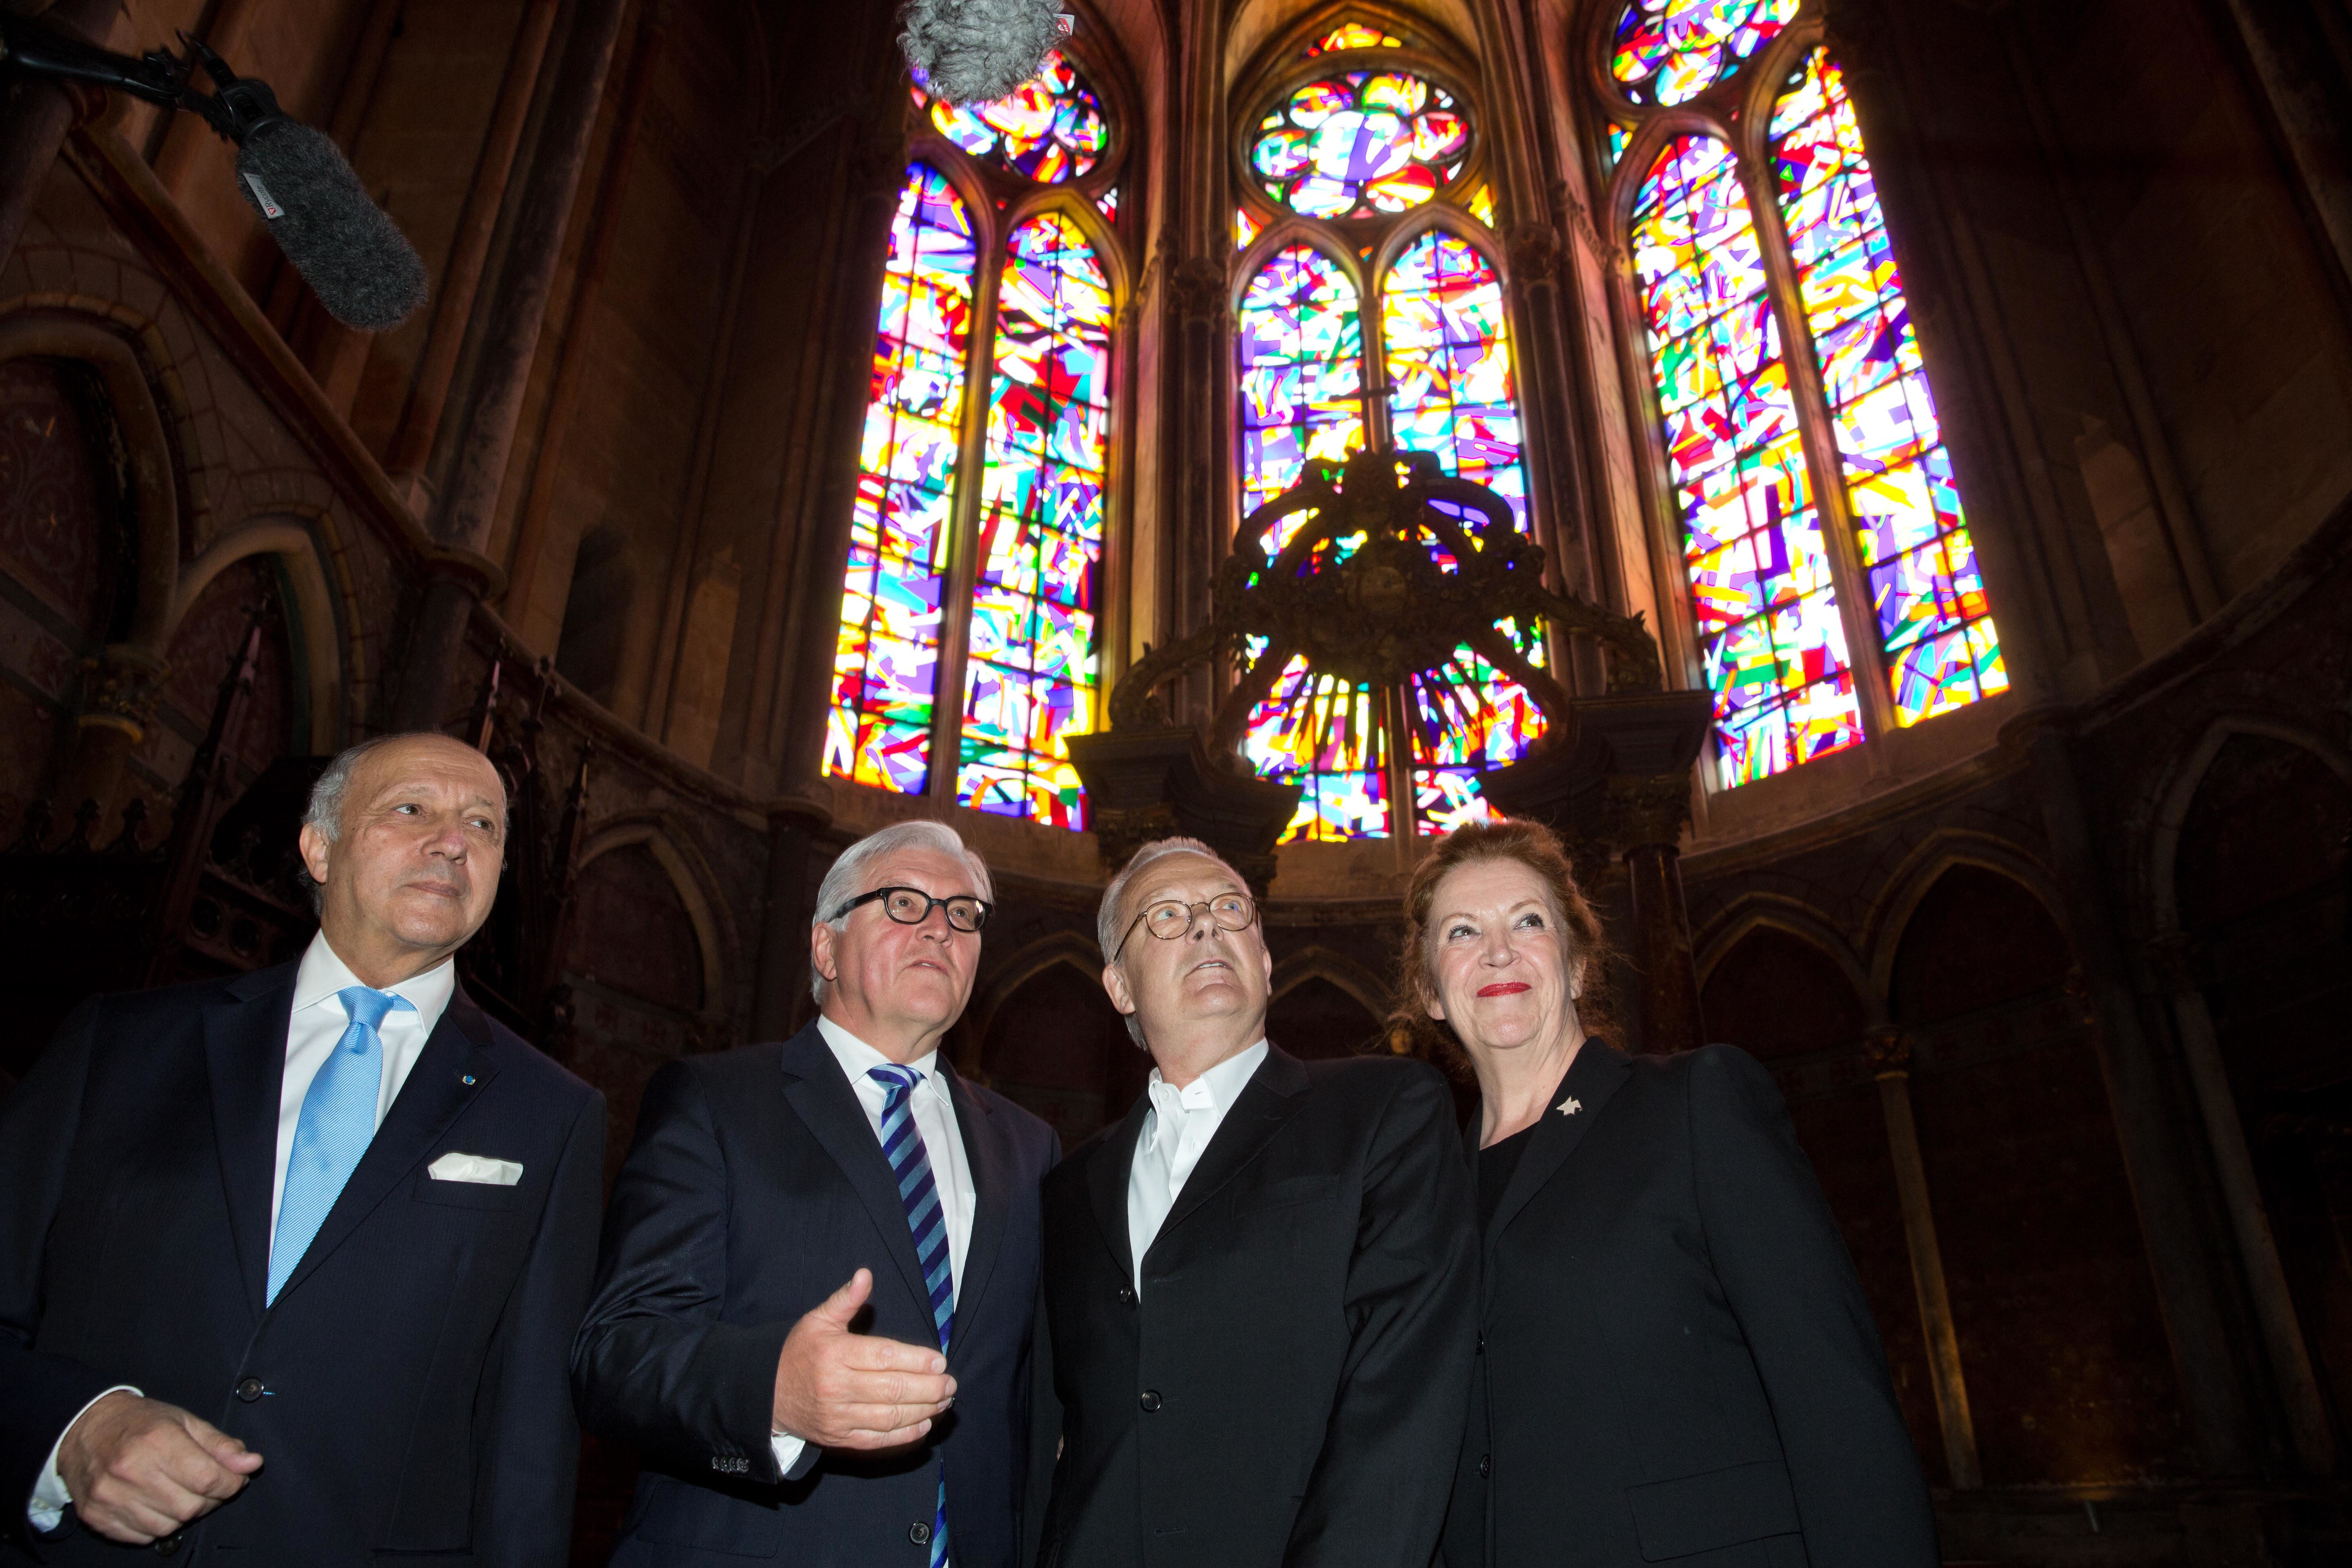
{"x":840,"y":1390}
{"x":139,"y":1468}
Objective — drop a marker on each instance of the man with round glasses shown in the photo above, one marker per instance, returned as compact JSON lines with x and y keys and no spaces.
{"x":1259,"y":1291}
{"x":813,"y":1310}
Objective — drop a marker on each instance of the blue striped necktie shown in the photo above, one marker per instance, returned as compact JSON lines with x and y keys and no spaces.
{"x":902,"y":1145}
{"x":337,"y":1125}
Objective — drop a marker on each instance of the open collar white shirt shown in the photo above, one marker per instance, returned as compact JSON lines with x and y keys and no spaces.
{"x":1176,"y":1132}
{"x":316,"y":1022}
{"x":935,"y":1117}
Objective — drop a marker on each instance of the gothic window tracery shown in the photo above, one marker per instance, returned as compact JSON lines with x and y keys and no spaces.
{"x":1371,"y":310}
{"x":1833,"y":590}
{"x":967,"y":653}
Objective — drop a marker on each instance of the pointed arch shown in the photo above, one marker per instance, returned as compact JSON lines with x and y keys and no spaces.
{"x":1899,"y":898}
{"x":2178,"y":795}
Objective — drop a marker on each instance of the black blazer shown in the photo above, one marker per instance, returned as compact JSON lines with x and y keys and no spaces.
{"x":1677,"y":1362}
{"x":1289,"y":1389}
{"x":406,"y":1388}
{"x":754,"y":1190}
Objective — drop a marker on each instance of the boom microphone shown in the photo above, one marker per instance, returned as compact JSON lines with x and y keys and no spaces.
{"x":355,"y":259}
{"x":969,"y":51}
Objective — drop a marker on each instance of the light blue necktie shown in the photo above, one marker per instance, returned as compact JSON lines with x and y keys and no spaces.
{"x":902,"y":1144}
{"x":337,"y":1124}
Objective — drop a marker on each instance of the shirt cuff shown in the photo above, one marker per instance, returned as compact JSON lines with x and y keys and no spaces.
{"x":46,"y":1508}
{"x":793,"y":1455}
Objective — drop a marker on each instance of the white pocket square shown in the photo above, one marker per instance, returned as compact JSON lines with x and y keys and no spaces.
{"x":475,"y":1168}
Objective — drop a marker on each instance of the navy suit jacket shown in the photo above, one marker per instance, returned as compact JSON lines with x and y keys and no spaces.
{"x":406,"y":1387}
{"x":754,"y":1190}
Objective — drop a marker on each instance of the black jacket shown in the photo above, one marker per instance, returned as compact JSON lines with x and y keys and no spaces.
{"x":1289,"y":1388}
{"x":1677,"y":1362}
{"x":406,"y":1388}
{"x":754,"y":1190}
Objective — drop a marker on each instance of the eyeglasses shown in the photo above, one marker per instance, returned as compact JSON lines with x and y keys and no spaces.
{"x":912,"y":907}
{"x":1172,"y":917}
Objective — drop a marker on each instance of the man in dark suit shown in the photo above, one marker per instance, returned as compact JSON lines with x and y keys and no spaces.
{"x":1259,"y":1286}
{"x":813,"y":1314}
{"x":289,"y":1262}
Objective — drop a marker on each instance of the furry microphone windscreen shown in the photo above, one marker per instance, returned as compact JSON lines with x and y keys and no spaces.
{"x":359,"y":265}
{"x":973,"y":50}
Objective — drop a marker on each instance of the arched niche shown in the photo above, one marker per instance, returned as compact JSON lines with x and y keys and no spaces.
{"x":684,"y":969}
{"x":206,"y":642}
{"x":1778,"y":994}
{"x":1317,"y":1019}
{"x":2070,"y":1375}
{"x":314,"y":628}
{"x":2253,"y":847}
{"x":1054,"y":1045}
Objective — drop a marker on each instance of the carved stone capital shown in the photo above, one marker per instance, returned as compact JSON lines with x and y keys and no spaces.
{"x":1196,"y":289}
{"x":1120,"y":831}
{"x":1886,"y":1051}
{"x":1643,"y":810}
{"x":1532,"y":250}
{"x":120,"y":688}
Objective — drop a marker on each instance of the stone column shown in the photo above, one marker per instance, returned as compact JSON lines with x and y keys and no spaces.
{"x":1888,"y":1053}
{"x":2205,"y":1356}
{"x":35,"y":115}
{"x":2298,"y":50}
{"x":1647,"y":815}
{"x":463,"y":520}
{"x":794,"y":825}
{"x":120,"y":688}
{"x":2250,"y":1224}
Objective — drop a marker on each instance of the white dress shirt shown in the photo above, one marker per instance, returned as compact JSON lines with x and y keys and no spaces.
{"x":1176,"y":1131}
{"x":935,"y":1118}
{"x":317,"y":1022}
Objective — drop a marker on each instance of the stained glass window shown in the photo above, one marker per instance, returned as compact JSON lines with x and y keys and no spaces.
{"x":1942,"y":651}
{"x":1030,"y":674}
{"x":1771,"y":592}
{"x":1361,"y":143}
{"x":1050,"y":128}
{"x":970,"y":615}
{"x":1670,"y":51}
{"x":1246,"y":228}
{"x":1300,"y":348}
{"x":886,"y":664}
{"x":1481,"y":205}
{"x":1451,"y":391}
{"x":1353,"y":35}
{"x":1761,"y":592}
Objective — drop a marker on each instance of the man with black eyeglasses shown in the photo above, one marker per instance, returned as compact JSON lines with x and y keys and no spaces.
{"x":1259,"y":1294}
{"x":812,"y":1313}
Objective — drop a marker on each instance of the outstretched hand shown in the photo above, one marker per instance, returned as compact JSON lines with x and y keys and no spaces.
{"x":841,"y":1390}
{"x":138,"y":1469}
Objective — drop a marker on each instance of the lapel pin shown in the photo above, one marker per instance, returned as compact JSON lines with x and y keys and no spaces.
{"x":1570,"y":1106}
{"x":467,"y":1081}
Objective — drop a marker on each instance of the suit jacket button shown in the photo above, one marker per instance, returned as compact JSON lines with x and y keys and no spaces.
{"x":1482,"y":1344}
{"x":1485,"y":1465}
{"x":1151,"y":1400}
{"x":1126,"y":1295}
{"x":169,"y":1546}
{"x":919,"y":1533}
{"x":250,"y":1390}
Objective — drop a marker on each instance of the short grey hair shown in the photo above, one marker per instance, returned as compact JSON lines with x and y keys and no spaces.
{"x":1109,"y":928}
{"x":847,"y":878}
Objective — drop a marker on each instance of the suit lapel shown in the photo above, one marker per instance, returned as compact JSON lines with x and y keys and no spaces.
{"x":456,"y":1064}
{"x":987,"y":1150}
{"x":1592,"y":1079}
{"x":244,"y":1057}
{"x":820,"y":1097}
{"x":1107,"y":1168}
{"x":1270,"y":1099}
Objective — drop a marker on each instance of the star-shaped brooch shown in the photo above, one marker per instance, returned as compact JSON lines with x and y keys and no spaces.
{"x":1569,"y":1106}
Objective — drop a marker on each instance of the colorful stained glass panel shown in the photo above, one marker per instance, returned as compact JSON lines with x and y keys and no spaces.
{"x":1670,"y":51}
{"x":1365,"y":143}
{"x":1761,"y":597}
{"x":1326,"y":735}
{"x":1934,"y":624}
{"x":1030,"y":669}
{"x":1299,"y":350}
{"x":1352,"y":35}
{"x":1049,"y":129}
{"x":885,"y":658}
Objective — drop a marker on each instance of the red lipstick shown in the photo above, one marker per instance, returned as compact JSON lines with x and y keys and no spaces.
{"x":1502,"y":988}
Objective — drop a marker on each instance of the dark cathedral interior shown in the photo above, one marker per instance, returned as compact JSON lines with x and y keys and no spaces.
{"x":1866,"y":480}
